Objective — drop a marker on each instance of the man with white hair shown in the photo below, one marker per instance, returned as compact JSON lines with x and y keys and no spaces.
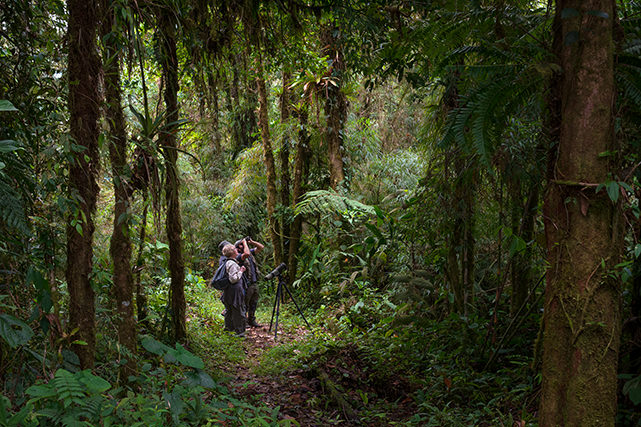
{"x":234,"y":294}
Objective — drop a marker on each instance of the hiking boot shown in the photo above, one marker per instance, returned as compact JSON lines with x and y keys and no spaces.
{"x":252,"y":323}
{"x":240,"y":334}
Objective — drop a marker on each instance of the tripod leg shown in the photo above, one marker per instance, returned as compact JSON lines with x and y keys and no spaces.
{"x":274,"y":309}
{"x":279,"y":294}
{"x":296,"y":304}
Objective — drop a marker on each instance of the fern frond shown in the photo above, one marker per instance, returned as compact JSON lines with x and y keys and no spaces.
{"x":91,"y":407}
{"x":70,"y":390}
{"x":628,"y":77}
{"x":484,"y":112}
{"x":12,"y":209}
{"x":329,"y":202}
{"x":631,"y":88}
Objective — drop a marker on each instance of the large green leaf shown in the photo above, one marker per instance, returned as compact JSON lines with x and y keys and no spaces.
{"x":7,"y":145}
{"x":613,"y":190}
{"x":186,"y":358}
{"x":7,"y":106}
{"x":94,"y":384}
{"x":633,"y":389}
{"x":14,"y":331}
{"x":155,"y":347}
{"x":199,"y":378}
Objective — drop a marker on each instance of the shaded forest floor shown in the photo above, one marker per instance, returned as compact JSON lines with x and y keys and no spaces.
{"x":355,"y":367}
{"x":331,"y":393}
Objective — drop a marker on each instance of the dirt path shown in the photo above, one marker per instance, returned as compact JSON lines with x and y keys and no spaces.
{"x":294,"y":394}
{"x":300,"y":395}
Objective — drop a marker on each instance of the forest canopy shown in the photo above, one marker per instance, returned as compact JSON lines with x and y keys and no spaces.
{"x":446,"y":195}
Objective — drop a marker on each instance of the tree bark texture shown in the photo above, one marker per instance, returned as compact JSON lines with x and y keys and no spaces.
{"x":169,"y":144}
{"x":583,"y":229}
{"x":285,"y":178}
{"x":141,"y":294}
{"x":84,"y":103}
{"x":301,"y":167}
{"x":120,"y":247}
{"x":268,"y":156}
{"x":335,"y":104}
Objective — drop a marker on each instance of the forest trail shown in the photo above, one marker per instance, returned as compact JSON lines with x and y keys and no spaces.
{"x":326,"y":395}
{"x":293,"y":393}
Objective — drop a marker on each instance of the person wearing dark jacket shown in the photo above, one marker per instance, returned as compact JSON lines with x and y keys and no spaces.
{"x":251,"y":276}
{"x":234,"y":296}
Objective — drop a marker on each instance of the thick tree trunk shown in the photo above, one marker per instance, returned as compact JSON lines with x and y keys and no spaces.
{"x":582,"y":300}
{"x":84,"y":102}
{"x":335,"y":105}
{"x":270,"y":166}
{"x":120,"y":248}
{"x":285,"y":179}
{"x":301,"y":167}
{"x":168,"y":141}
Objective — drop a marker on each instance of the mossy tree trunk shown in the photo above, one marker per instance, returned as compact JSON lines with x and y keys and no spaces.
{"x":268,"y":156}
{"x":335,"y":104}
{"x":582,"y":299}
{"x":285,"y":178}
{"x":301,"y":167}
{"x":141,"y":294}
{"x":84,"y":103}
{"x":120,"y":247}
{"x":169,"y":144}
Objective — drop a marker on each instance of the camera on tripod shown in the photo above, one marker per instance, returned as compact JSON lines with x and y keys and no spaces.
{"x":277,"y":271}
{"x":280,"y":289}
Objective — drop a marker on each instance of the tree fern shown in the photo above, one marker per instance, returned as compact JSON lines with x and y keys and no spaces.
{"x":326,"y":202}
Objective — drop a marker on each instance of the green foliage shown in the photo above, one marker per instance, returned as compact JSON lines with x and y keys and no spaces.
{"x":326,"y":202}
{"x":14,"y":331}
{"x":69,"y":399}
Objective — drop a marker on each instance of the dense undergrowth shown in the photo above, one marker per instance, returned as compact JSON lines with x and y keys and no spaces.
{"x":374,"y":353}
{"x":174,"y":385}
{"x":422,"y":372}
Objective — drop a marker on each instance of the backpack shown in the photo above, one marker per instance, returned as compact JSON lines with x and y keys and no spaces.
{"x":221,"y":278}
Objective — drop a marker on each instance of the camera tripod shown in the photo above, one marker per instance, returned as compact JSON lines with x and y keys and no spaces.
{"x":276,"y":310}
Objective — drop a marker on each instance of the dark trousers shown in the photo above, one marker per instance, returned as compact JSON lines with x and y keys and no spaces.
{"x":234,"y":319}
{"x":251,"y":301}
